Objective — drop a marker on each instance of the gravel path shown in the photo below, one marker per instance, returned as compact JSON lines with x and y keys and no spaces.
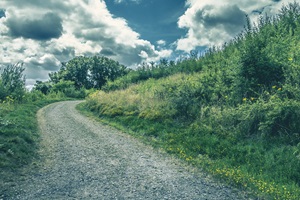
{"x":82,"y":159}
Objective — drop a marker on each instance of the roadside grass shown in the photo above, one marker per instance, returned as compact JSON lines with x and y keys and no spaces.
{"x":19,"y":137}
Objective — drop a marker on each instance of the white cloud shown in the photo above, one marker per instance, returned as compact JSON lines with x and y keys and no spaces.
{"x":213,"y":22}
{"x":166,"y":53}
{"x":143,"y":54}
{"x":161,"y":42}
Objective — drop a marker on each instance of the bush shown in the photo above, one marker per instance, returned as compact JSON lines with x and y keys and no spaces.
{"x":257,"y":64}
{"x":34,"y":96}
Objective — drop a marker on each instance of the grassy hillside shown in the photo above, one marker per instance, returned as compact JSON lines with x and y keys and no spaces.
{"x":235,"y":112}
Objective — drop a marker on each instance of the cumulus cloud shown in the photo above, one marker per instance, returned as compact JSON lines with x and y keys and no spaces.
{"x":47,"y":62}
{"x":161,"y":42}
{"x":114,"y":36}
{"x":214,"y":22}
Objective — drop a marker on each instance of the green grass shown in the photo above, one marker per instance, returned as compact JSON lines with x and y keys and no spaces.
{"x":19,"y":136}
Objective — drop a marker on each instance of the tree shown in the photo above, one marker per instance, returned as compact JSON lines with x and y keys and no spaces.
{"x":103,"y":69}
{"x":163,"y":62}
{"x":88,"y":72}
{"x":12,"y":82}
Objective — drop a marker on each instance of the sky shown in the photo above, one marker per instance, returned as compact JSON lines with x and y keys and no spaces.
{"x":42,"y":34}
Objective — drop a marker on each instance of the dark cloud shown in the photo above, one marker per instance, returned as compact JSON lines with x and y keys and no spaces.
{"x":231,"y":17}
{"x":107,"y":52}
{"x":50,"y":26}
{"x":50,"y":64}
{"x":2,"y":13}
{"x":35,"y":66}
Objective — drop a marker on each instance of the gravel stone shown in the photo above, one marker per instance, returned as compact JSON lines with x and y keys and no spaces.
{"x":80,"y":158}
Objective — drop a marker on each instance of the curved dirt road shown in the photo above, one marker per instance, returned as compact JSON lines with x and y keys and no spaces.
{"x":82,"y":159}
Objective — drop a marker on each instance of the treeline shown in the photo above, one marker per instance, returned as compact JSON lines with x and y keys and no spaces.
{"x":75,"y":79}
{"x":81,"y":74}
{"x":154,"y":70}
{"x":234,"y":111}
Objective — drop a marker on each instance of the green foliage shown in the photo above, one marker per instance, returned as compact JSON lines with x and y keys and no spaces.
{"x":256,"y":66}
{"x":88,"y":72}
{"x":68,"y":88}
{"x":292,"y":69}
{"x":155,"y":71}
{"x":103,"y":69}
{"x":289,"y":18}
{"x":266,"y":50}
{"x":34,"y":96}
{"x":12,"y":83}
{"x":142,"y":73}
{"x":3,"y":92}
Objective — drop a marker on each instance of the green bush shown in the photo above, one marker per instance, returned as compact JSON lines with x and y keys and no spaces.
{"x":34,"y":96}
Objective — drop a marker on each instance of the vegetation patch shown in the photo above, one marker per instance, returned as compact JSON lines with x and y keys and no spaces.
{"x":19,"y":136}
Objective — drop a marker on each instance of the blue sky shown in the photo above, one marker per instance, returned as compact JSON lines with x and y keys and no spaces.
{"x":42,"y":34}
{"x":154,"y":19}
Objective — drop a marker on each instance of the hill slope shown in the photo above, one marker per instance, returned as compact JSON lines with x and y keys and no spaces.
{"x":235,"y":113}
